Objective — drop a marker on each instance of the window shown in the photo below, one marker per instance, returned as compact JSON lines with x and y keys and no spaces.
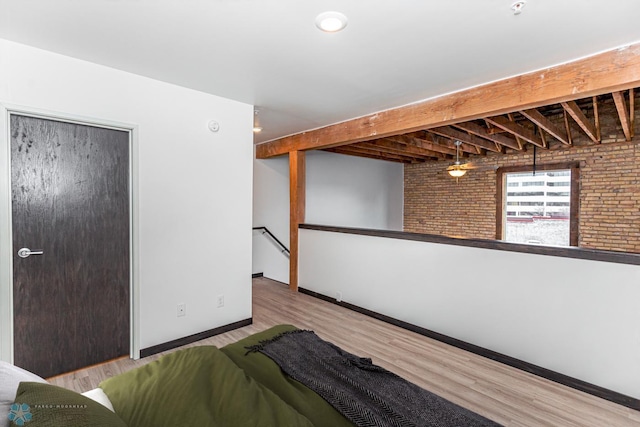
{"x":546,"y":213}
{"x":526,"y":194}
{"x":525,"y":204}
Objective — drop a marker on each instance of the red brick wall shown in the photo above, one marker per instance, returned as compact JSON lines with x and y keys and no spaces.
{"x":609,"y":211}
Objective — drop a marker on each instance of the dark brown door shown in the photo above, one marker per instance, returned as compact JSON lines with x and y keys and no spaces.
{"x":70,"y":200}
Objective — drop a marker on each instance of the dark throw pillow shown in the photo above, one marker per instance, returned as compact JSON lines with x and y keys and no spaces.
{"x":46,"y":405}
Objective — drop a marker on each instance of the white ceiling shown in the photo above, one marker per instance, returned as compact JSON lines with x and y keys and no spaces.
{"x":269,"y":52}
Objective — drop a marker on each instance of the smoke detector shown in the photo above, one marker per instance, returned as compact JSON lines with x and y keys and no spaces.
{"x":518,"y":6}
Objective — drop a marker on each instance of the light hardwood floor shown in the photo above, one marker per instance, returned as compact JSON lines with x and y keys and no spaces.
{"x":501,"y":393}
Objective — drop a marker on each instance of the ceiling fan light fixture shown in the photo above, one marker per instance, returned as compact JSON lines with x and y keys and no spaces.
{"x":331,"y":22}
{"x":457,"y":172}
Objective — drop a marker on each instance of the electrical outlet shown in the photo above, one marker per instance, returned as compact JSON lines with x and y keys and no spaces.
{"x":182,"y":310}
{"x":338,"y":296}
{"x":220,"y":301}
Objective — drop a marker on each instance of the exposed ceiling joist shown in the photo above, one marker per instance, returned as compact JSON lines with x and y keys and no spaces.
{"x":623,"y":114}
{"x":543,"y":137}
{"x":632,"y":112}
{"x":422,"y":143}
{"x":371,"y":154}
{"x":465,"y":137}
{"x":518,"y":130}
{"x":439,"y":143}
{"x":398,"y":149}
{"x":607,"y":72}
{"x":574,"y":111}
{"x":410,"y":149}
{"x":388,"y":152}
{"x":596,"y":118}
{"x":482,"y":132}
{"x":567,"y":127}
{"x":464,"y":148}
{"x":338,"y":150}
{"x":536,"y":117}
{"x":519,"y":140}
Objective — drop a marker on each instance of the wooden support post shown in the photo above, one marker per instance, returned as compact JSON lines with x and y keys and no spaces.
{"x":297,"y":174}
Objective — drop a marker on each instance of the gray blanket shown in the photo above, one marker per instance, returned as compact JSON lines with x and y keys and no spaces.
{"x":366,"y":394}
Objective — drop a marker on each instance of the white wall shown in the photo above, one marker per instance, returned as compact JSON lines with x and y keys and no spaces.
{"x":193,"y":193}
{"x":351,"y":191}
{"x":341,"y":190}
{"x":577,"y":317}
{"x":271,"y":210}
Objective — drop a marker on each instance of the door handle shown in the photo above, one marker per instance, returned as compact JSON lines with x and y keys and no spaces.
{"x":26,"y":252}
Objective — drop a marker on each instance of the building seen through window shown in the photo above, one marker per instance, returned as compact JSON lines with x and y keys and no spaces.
{"x":537,"y":207}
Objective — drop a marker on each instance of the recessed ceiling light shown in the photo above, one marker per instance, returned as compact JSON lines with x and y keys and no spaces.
{"x":257,"y":129}
{"x":331,"y":22}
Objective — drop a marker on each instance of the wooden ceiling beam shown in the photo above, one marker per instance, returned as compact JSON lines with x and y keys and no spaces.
{"x":407,"y":148}
{"x":340,"y":150}
{"x":614,"y":70}
{"x":536,"y":117}
{"x":366,"y":146}
{"x":444,"y":141}
{"x":596,"y":118}
{"x":465,"y":148}
{"x":492,"y":130}
{"x":632,"y":113}
{"x":519,"y":140}
{"x":518,"y":130}
{"x":623,"y":113}
{"x":368,"y":155}
{"x":449,"y":132}
{"x":372,"y":153}
{"x":543,"y":137}
{"x":574,"y":111}
{"x":387,"y":147}
{"x":567,"y":127}
{"x":423,"y":143}
{"x":482,"y":133}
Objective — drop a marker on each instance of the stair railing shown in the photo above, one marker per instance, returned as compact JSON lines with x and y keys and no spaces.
{"x":281,"y":246}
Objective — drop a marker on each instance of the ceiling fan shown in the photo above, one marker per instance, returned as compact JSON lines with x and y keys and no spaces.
{"x":458,"y":169}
